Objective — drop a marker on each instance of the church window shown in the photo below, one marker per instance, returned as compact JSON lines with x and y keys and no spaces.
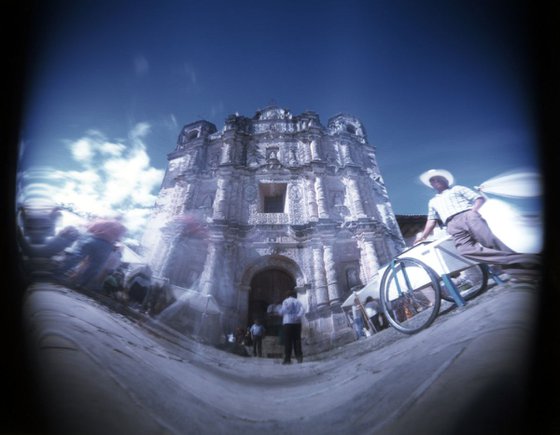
{"x":273,"y":197}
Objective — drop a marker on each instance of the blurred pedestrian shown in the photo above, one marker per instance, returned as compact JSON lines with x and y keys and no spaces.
{"x":358,"y":320}
{"x":138,"y":283}
{"x":160,"y":297}
{"x":92,"y":251}
{"x":50,"y":246}
{"x":372,"y":311}
{"x":113,"y":283}
{"x":239,"y":335}
{"x":41,"y":256}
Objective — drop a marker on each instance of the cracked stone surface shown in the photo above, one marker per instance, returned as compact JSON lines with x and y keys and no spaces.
{"x":103,"y":371}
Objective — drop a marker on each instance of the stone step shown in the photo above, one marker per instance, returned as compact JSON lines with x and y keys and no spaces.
{"x":271,"y":347}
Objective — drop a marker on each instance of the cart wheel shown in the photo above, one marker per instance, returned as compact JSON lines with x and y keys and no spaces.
{"x":410,"y":295}
{"x":470,"y":283}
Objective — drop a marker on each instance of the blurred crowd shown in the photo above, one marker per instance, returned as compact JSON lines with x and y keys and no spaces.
{"x":89,"y":257}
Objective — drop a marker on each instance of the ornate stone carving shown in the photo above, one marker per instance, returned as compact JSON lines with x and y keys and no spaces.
{"x":293,"y":159}
{"x":250,"y":193}
{"x":254,"y":157}
{"x":335,"y":228}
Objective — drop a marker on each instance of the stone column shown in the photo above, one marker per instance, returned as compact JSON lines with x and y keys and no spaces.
{"x":160,"y":256}
{"x":369,"y":259}
{"x":321,"y":292}
{"x":208,"y":276}
{"x":332,"y":279}
{"x":189,"y":190}
{"x":165,"y":248}
{"x":353,"y":192}
{"x":311,"y":200}
{"x":220,"y":199}
{"x":314,"y":147}
{"x":346,"y":158}
{"x":321,"y":200}
{"x":226,"y":154}
{"x":191,"y":160}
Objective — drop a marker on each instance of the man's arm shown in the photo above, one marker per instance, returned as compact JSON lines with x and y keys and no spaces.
{"x":430,"y":225}
{"x":301,"y":310}
{"x":478,"y":203}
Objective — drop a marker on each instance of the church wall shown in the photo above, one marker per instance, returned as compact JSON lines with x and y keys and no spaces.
{"x":275,"y":190}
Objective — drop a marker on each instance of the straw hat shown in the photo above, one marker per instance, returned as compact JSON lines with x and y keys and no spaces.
{"x":425,"y":177}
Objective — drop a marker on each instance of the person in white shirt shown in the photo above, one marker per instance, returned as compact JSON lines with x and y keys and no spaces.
{"x":457,"y":208}
{"x":292,"y":311}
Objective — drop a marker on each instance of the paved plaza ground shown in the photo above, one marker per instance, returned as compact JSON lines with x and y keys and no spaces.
{"x":107,"y":372}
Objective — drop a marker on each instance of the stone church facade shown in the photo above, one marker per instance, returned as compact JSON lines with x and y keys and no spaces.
{"x":277,"y":201}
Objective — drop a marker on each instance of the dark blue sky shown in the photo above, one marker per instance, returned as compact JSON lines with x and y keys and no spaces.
{"x":436,"y":83}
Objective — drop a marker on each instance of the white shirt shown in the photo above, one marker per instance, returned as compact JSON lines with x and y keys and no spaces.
{"x":257,"y":330}
{"x":450,"y":202}
{"x":292,"y":310}
{"x":371,"y":309}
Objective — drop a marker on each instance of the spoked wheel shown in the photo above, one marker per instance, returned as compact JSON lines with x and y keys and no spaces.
{"x":470,"y":283}
{"x":410,"y":295}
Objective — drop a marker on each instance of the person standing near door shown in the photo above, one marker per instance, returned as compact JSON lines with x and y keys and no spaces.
{"x":292,"y":312}
{"x":257,"y":334}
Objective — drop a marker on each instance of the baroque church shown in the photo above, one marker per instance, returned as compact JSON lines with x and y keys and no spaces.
{"x":268,"y":204}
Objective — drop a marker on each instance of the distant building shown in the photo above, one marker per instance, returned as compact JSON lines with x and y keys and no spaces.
{"x":411,"y":226}
{"x":271,"y":203}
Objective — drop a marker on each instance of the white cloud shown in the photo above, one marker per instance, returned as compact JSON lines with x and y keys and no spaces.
{"x":139,"y":131}
{"x":112,"y":149}
{"x":82,"y":150}
{"x":113,"y":178}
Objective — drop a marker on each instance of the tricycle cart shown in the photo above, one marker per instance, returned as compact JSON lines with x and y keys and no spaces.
{"x":411,"y":286}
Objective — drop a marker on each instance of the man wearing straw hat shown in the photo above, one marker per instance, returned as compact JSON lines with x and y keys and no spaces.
{"x":457,"y":207}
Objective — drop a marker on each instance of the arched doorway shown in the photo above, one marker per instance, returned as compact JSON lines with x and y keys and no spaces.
{"x":268,"y":287}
